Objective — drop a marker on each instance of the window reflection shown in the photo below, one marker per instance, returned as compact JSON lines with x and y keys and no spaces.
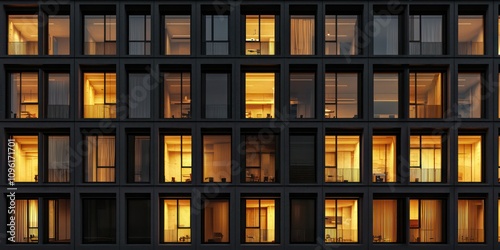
{"x":469,"y":158}
{"x":426,"y":35}
{"x":139,"y":40}
{"x":384,"y":158}
{"x":342,"y":158}
{"x":217,"y":96}
{"x":216,"y":35}
{"x":386,"y":40}
{"x":341,"y":221}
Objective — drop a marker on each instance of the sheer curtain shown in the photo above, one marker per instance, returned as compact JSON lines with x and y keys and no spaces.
{"x":139,"y":95}
{"x":58,"y":103}
{"x":302,"y":35}
{"x":470,"y":221}
{"x":430,"y":221}
{"x":385,"y":220}
{"x":386,"y":34}
{"x":432,"y":35}
{"x":21,"y":221}
{"x":136,"y":35}
{"x":100,"y":159}
{"x":222,"y":161}
{"x":58,"y":159}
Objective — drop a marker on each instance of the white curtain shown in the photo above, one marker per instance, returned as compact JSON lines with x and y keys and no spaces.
{"x":58,"y":159}
{"x":432,"y":34}
{"x":136,"y":34}
{"x":302,"y":35}
{"x":58,"y":103}
{"x":385,"y":34}
{"x":139,"y":95}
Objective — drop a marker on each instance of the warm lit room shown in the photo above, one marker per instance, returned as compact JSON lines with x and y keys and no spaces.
{"x":259,"y":95}
{"x":342,"y":158}
{"x":260,"y":221}
{"x":384,"y":158}
{"x":99,"y":96}
{"x":177,"y":158}
{"x":341,"y":220}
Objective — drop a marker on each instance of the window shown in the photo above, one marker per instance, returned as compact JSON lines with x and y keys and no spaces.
{"x":100,"y":35}
{"x":260,"y":221}
{"x":26,"y":228}
{"x":100,"y":164}
{"x":426,"y":95}
{"x":260,"y":158}
{"x":470,"y":95}
{"x":498,"y":208}
{"x":260,"y":95}
{"x":386,"y":35}
{"x":99,"y":95}
{"x":341,"y":35}
{"x":23,"y":34}
{"x":139,"y":95}
{"x":341,"y":95}
{"x":138,"y":220}
{"x":341,"y":220}
{"x":385,"y":221}
{"x":470,"y":158}
{"x":471,"y":35}
{"x":260,"y":34}
{"x":58,"y":94}
{"x":217,"y":95}
{"x":176,"y":224}
{"x":58,"y":158}
{"x":471,"y":220}
{"x":302,"y":37}
{"x":386,"y":95}
{"x":426,"y":34}
{"x":139,"y":35}
{"x":302,"y":95}
{"x":216,"y":221}
{"x":342,"y":158}
{"x":24,"y":95}
{"x":59,"y":35}
{"x":99,"y":220}
{"x":139,"y":154}
{"x":177,"y":95}
{"x":216,"y":40}
{"x":178,"y":158}
{"x":384,"y":153}
{"x":217,"y":158}
{"x":426,"y":221}
{"x":26,"y":155}
{"x":177,"y":34}
{"x":58,"y":220}
{"x":425,"y":158}
{"x":302,"y":158}
{"x":302,"y":220}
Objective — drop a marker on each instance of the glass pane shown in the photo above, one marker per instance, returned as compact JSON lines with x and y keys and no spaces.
{"x":139,"y":95}
{"x":302,"y":37}
{"x":177,"y":35}
{"x":216,"y":221}
{"x":432,"y":35}
{"x":59,"y":30}
{"x":100,"y":165}
{"x":347,"y":38}
{"x":469,"y":158}
{"x":385,"y":220}
{"x":216,"y":96}
{"x":177,"y":158}
{"x":302,"y":95}
{"x":260,"y":159}
{"x":302,"y":159}
{"x":221,"y":28}
{"x":24,"y":95}
{"x":26,"y":229}
{"x":426,"y":221}
{"x":58,"y":102}
{"x":23,"y":34}
{"x":260,"y":35}
{"x":100,"y":35}
{"x":385,"y":35}
{"x":26,"y":155}
{"x":331,"y":35}
{"x":470,"y":35}
{"x":302,"y":228}
{"x":426,"y":95}
{"x":139,"y":167}
{"x":471,"y":221}
{"x":342,"y":158}
{"x":386,"y":95}
{"x":259,"y":95}
{"x":341,"y":221}
{"x":58,"y":214}
{"x":138,"y":221}
{"x":208,"y":28}
{"x":217,"y":158}
{"x":58,"y":159}
{"x":347,"y":95}
{"x":384,"y":158}
{"x":177,"y":96}
{"x":99,"y":221}
{"x":469,"y":95}
{"x":99,"y":95}
{"x":425,"y":158}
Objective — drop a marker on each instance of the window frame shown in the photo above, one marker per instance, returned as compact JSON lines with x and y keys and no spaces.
{"x":97,"y":167}
{"x":97,"y":198}
{"x":442,"y":214}
{"x":105,"y":17}
{"x":420,"y":14}
{"x":228,"y":93}
{"x":339,"y":240}
{"x":189,"y":100}
{"x":56,"y":214}
{"x":336,"y":167}
{"x":181,"y":240}
{"x":147,"y":42}
{"x":276,"y":102}
{"x":260,"y":142}
{"x":277,"y":217}
{"x":443,"y":97}
{"x":204,"y":31}
{"x":131,"y":144}
{"x":206,"y":201}
{"x":442,"y":152}
{"x":257,"y":11}
{"x":105,"y":103}
{"x":359,"y":79}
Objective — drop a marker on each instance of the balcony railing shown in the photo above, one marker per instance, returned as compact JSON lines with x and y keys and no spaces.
{"x":341,"y":174}
{"x":470,"y":235}
{"x":100,"y":48}
{"x":425,"y":235}
{"x":216,"y":111}
{"x":259,"y":235}
{"x":340,"y":235}
{"x":99,"y":111}
{"x":425,"y":175}
{"x":23,"y":48}
{"x":426,"y":48}
{"x":57,"y":111}
{"x":471,"y":48}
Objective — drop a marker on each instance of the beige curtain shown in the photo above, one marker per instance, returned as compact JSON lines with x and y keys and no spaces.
{"x":100,"y":159}
{"x":470,"y":221}
{"x":302,"y":35}
{"x":385,"y":220}
{"x":58,"y":159}
{"x":430,"y":221}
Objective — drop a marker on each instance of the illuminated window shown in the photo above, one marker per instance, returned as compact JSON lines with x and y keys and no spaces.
{"x":260,"y":33}
{"x":216,"y":221}
{"x":139,"y":35}
{"x":260,"y":95}
{"x":260,"y":221}
{"x":470,"y":158}
{"x":302,"y":220}
{"x":385,"y":221}
{"x":23,"y":34}
{"x":426,"y":221}
{"x":386,"y":41}
{"x":384,"y":153}
{"x":139,"y":155}
{"x":217,"y":158}
{"x":99,"y":95}
{"x":26,"y":155}
{"x":26,"y":221}
{"x":176,"y":224}
{"x":341,"y":36}
{"x":99,"y":35}
{"x":470,"y":95}
{"x":471,"y":35}
{"x":302,"y":95}
{"x":177,"y":158}
{"x":99,"y":220}
{"x":260,"y":158}
{"x":426,"y":95}
{"x":24,"y":95}
{"x":426,"y":34}
{"x":341,"y":95}
{"x":216,"y":34}
{"x":471,"y":220}
{"x":386,"y":95}
{"x":100,"y":164}
{"x":58,"y":220}
{"x":59,"y":31}
{"x":58,"y":158}
{"x":342,"y":155}
{"x":177,"y":34}
{"x":341,"y":221}
{"x":302,"y":37}
{"x":138,"y":219}
{"x":177,"y":96}
{"x":425,"y":158}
